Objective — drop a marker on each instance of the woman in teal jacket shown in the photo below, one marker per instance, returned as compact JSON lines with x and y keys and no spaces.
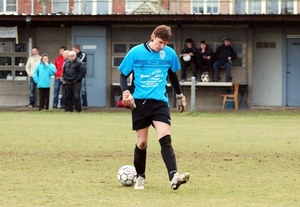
{"x":42,"y":77}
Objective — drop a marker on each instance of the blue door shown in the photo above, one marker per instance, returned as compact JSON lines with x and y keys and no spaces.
{"x":293,"y":73}
{"x":92,"y":41}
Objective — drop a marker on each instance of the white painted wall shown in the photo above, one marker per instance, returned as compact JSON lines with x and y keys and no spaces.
{"x":267,"y":68}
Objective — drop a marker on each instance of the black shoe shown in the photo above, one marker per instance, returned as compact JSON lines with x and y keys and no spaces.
{"x":54,"y":106}
{"x":229,"y":79}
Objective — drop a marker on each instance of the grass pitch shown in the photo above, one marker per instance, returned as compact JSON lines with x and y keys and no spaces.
{"x":245,"y":158}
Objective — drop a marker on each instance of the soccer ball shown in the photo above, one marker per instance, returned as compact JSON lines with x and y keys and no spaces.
{"x":205,"y":77}
{"x":187,"y":58}
{"x":127,"y":175}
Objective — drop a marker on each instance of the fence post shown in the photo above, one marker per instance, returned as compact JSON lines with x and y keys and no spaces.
{"x":193,"y":93}
{"x":51,"y":92}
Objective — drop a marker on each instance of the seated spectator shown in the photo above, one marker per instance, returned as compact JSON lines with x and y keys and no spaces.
{"x":205,"y":58}
{"x":188,"y":59}
{"x":224,"y":55}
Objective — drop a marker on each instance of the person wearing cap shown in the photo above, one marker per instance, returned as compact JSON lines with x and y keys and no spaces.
{"x":224,"y":55}
{"x":188,"y":59}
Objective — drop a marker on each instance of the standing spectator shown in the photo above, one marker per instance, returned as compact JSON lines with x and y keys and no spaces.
{"x":42,"y":77}
{"x":63,"y":91}
{"x":31,"y":65}
{"x":188,"y":59}
{"x":151,"y":63}
{"x":224,"y":55}
{"x":82,"y":57}
{"x":205,"y":58}
{"x":59,"y":62}
{"x":73,"y":72}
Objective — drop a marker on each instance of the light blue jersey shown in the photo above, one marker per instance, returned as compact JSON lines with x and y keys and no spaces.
{"x":150,"y":70}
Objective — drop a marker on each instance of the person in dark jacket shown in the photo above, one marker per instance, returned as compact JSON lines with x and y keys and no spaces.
{"x":188,"y":59}
{"x":73,"y":72}
{"x":224,"y":55}
{"x":205,"y":58}
{"x":82,"y":57}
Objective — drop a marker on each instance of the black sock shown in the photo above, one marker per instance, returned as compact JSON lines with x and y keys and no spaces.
{"x":168,"y":155}
{"x":140,"y":161}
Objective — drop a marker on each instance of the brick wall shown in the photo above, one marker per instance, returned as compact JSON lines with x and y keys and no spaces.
{"x":118,"y":6}
{"x":25,"y":6}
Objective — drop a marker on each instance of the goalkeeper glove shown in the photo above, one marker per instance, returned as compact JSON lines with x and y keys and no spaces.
{"x":181,"y":102}
{"x":128,"y":101}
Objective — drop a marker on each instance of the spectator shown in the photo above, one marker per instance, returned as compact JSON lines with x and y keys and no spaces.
{"x":188,"y":59}
{"x":42,"y":77}
{"x":82,"y":57}
{"x":205,"y":58}
{"x":31,"y":65}
{"x":73,"y":73}
{"x":63,"y":91}
{"x":59,"y":62}
{"x":224,"y":55}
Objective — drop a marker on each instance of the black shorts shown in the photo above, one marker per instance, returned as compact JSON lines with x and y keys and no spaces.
{"x":148,"y":110}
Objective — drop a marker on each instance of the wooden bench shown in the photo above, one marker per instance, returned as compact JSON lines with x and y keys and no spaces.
{"x":211,"y":72}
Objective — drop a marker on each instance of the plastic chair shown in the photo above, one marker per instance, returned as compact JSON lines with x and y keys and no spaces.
{"x":232,"y":97}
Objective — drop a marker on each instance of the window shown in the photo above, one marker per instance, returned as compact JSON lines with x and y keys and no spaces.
{"x":13,"y":58}
{"x":60,"y":6}
{"x":255,"y":7}
{"x":240,"y":7}
{"x":131,"y":4}
{"x":280,"y":7}
{"x":119,"y":48}
{"x":117,"y":61}
{"x":5,"y":61}
{"x":205,"y":6}
{"x":8,"y":6}
{"x":286,"y":7}
{"x":6,"y":74}
{"x":266,"y":7}
{"x":92,"y":7}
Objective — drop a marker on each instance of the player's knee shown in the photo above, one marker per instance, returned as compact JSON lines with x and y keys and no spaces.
{"x":142,"y":145}
{"x":165,"y":140}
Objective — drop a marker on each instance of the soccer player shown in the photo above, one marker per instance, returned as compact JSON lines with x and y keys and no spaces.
{"x":151,"y":64}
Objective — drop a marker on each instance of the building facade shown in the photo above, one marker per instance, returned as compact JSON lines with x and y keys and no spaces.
{"x":264,"y":36}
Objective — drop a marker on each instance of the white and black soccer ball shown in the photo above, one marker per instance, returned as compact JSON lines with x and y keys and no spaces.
{"x":127,"y":175}
{"x":186,"y":58}
{"x":205,"y":77}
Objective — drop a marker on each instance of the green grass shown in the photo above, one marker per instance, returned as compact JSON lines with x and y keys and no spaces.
{"x":244,"y":158}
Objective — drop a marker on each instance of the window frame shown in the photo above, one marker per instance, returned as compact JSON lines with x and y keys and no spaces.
{"x":263,"y":7}
{"x":205,"y":4}
{"x":65,"y":4}
{"x":131,"y":4}
{"x":6,"y":5}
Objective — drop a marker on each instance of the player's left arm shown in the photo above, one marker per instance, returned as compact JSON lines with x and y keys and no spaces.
{"x":181,"y":101}
{"x":174,"y":81}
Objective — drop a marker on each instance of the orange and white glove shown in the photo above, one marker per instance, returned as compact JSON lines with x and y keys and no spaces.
{"x":127,"y":100}
{"x":181,"y":102}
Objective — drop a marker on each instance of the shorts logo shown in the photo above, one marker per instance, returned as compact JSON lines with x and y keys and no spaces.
{"x":162,"y":54}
